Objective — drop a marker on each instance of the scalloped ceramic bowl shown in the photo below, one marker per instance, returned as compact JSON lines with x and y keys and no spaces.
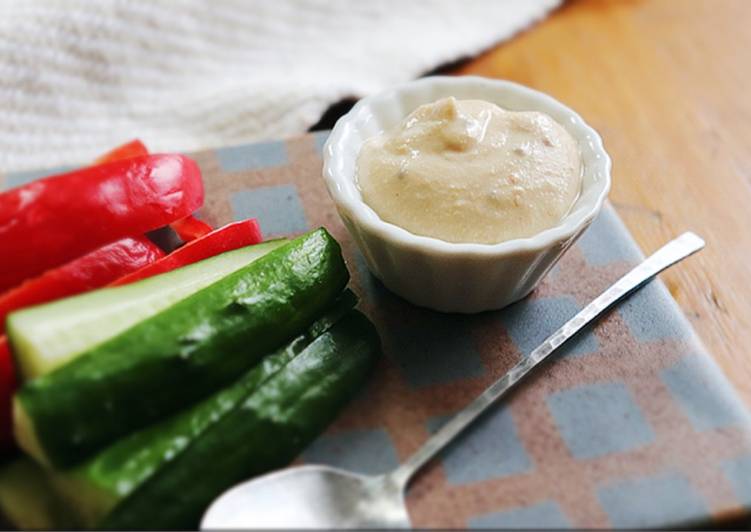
{"x":446,"y":276}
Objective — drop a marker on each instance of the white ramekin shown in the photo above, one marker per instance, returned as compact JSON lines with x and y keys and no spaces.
{"x":441,"y":275}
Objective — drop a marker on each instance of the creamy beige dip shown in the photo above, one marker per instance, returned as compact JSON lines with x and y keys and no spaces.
{"x":469,"y":171}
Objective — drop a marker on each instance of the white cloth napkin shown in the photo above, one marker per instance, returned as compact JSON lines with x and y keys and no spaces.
{"x":78,"y":77}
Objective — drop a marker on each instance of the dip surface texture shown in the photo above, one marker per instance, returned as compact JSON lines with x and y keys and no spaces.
{"x":469,"y":171}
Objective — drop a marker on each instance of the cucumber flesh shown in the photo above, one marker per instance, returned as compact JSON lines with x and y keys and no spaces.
{"x":270,"y":427}
{"x":96,"y":486}
{"x":183,"y":354}
{"x":28,"y":501}
{"x":46,"y":337}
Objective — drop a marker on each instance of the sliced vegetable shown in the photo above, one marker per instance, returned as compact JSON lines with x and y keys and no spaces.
{"x":119,"y":471}
{"x":93,"y":270}
{"x":28,"y":500}
{"x":180,"y":355}
{"x":266,"y":432}
{"x":187,"y":228}
{"x":229,"y":237}
{"x":51,"y":221}
{"x":190,"y":228}
{"x":134,"y":148}
{"x":46,"y":337}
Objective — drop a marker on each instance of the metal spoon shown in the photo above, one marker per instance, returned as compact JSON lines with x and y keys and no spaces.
{"x":326,"y":497}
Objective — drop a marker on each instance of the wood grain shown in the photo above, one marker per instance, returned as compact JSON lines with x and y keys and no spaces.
{"x":668,"y":85}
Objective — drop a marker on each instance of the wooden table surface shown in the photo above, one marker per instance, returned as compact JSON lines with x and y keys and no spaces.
{"x":668,"y":85}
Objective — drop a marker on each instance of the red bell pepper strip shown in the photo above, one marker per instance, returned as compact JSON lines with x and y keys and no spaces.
{"x":227,"y":238}
{"x":93,"y":270}
{"x":134,"y":148}
{"x":51,"y":221}
{"x":190,"y":228}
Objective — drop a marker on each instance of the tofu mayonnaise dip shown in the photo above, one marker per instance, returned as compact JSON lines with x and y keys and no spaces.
{"x":470,"y":171}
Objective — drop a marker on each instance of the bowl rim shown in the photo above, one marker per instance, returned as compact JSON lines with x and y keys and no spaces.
{"x":345,"y":194}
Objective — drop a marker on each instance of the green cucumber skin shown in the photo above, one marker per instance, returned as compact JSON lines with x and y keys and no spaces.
{"x":183,"y":353}
{"x":267,"y":431}
{"x":96,"y":486}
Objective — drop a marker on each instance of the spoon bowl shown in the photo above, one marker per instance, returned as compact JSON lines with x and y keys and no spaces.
{"x":311,"y":497}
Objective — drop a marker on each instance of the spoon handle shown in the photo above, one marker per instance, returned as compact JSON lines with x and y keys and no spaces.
{"x":672,"y":252}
